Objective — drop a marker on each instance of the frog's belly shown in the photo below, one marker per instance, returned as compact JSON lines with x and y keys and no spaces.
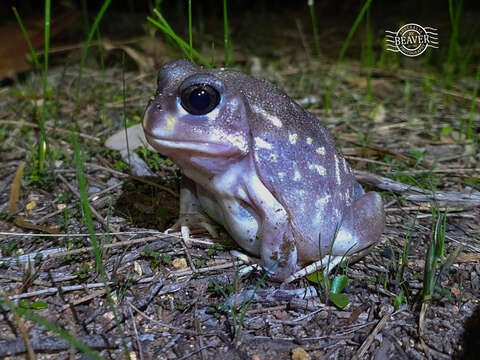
{"x":240,"y":221}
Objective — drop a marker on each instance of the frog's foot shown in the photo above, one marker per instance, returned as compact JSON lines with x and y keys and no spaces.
{"x":327,"y":263}
{"x":187,"y":222}
{"x":253,"y":263}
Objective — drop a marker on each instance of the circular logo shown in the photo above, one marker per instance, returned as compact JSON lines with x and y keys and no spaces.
{"x":411,"y":40}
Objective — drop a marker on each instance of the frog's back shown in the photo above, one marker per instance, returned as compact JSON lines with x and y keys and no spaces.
{"x":298,"y":161}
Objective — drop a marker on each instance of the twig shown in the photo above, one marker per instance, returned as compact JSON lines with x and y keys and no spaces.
{"x":61,"y":131}
{"x":54,"y":290}
{"x":120,"y":174}
{"x":54,"y":343}
{"x":156,"y":232}
{"x":186,"y":356}
{"x":368,"y":341}
{"x":139,"y":344}
{"x":92,"y":209}
{"x":424,"y":195}
{"x":180,"y":273}
{"x":84,"y":299}
{"x":273,"y":295}
{"x":168,"y":326}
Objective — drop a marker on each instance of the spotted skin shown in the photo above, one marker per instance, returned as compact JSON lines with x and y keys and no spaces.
{"x":263,"y":167}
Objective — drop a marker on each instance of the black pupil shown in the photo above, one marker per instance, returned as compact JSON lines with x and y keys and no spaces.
{"x":199,"y":99}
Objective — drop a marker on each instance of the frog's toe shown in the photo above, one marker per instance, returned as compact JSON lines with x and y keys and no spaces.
{"x":251,"y":263}
{"x":188,"y":222}
{"x":327,"y":263}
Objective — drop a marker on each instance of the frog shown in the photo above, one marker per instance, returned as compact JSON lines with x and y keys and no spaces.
{"x":259,"y":164}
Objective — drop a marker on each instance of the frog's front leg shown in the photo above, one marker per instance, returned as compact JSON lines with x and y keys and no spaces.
{"x":277,"y":250}
{"x":191,"y":215}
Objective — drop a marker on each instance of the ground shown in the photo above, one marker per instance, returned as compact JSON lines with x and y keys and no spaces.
{"x":172,"y":301}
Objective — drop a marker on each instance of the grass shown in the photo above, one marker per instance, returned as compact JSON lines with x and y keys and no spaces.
{"x":237,"y":311}
{"x":226,"y":37}
{"x":82,"y":187}
{"x":316,"y":37}
{"x":163,"y":25}
{"x":469,"y":131}
{"x":188,"y":48}
{"x":42,"y":146}
{"x":332,"y":285}
{"x":345,"y":46}
{"x":454,"y":50}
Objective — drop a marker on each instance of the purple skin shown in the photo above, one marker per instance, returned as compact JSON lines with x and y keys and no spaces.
{"x":260,"y":165}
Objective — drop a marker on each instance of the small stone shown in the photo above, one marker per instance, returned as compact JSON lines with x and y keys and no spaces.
{"x":108,"y":315}
{"x":281,"y":315}
{"x":31,"y":205}
{"x":180,"y":263}
{"x":300,"y":354}
{"x":137,"y":268}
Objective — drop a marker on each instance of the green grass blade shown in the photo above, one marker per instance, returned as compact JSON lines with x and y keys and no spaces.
{"x":47,"y":42}
{"x":27,"y":39}
{"x":473,"y":104}
{"x":82,"y":186}
{"x":316,"y":38}
{"x":32,"y":316}
{"x":93,"y":29}
{"x":226,"y":35}
{"x":190,"y":35}
{"x":353,"y":29}
{"x":183,"y":45}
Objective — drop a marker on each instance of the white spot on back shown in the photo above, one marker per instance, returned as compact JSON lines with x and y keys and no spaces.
{"x":348,"y":197}
{"x":346,"y":168}
{"x":320,"y":169}
{"x":319,"y":207}
{"x":272,"y":118}
{"x":296,"y":175}
{"x":259,"y":142}
{"x":337,"y":170}
{"x":281,"y":175}
{"x":320,"y":150}
{"x":292,"y":138}
{"x":320,"y":203}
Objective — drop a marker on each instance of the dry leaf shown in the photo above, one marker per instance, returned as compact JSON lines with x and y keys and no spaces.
{"x":15,"y":192}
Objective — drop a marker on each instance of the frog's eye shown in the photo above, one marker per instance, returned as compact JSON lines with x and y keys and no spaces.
{"x":199,"y":99}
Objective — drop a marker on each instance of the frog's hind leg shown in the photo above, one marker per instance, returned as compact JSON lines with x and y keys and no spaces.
{"x":362,"y":224}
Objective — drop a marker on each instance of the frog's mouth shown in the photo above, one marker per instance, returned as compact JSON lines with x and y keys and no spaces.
{"x":193,"y":147}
